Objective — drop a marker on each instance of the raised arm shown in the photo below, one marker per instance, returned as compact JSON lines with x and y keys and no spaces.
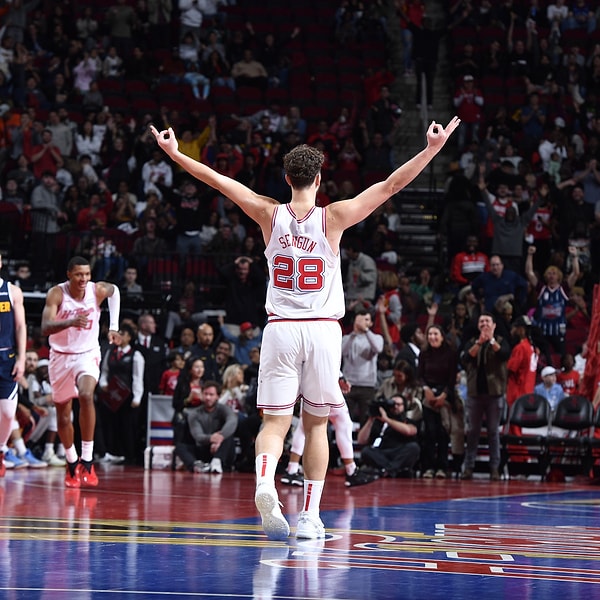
{"x":259,"y":208}
{"x":529,"y":272}
{"x":346,"y":213}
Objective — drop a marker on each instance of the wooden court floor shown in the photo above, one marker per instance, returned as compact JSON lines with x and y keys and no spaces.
{"x":157,"y":534}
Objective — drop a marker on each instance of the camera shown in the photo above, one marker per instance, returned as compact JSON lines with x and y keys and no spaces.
{"x":385,"y":403}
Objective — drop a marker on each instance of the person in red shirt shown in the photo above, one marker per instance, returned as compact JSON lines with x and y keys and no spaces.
{"x":168,"y":379}
{"x":522,"y":364}
{"x":568,"y":377}
{"x":468,"y":264}
{"x":44,"y":157}
{"x":468,"y":101}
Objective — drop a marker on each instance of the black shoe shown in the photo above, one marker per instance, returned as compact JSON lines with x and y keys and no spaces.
{"x":360,"y":478}
{"x":295,"y":479}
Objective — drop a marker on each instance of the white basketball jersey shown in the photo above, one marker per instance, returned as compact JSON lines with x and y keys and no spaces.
{"x":74,"y":340}
{"x":305,"y":276}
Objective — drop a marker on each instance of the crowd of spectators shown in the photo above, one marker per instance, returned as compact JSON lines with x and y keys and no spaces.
{"x":80,"y":85}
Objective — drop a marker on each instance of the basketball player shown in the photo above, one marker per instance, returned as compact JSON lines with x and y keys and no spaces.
{"x":71,"y":319}
{"x":13,"y":341}
{"x":301,"y":351}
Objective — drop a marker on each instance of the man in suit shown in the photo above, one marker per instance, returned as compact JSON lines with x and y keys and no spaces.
{"x":154,"y":350}
{"x":413,"y":338}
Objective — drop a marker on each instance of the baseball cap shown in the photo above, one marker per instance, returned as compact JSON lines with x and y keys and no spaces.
{"x":559,"y":122}
{"x":548,"y":371}
{"x":43,"y":362}
{"x":468,"y":78}
{"x":245,"y":326}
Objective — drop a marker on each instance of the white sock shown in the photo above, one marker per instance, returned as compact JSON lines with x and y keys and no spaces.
{"x":20,"y":447}
{"x":60,"y":450}
{"x":293,"y":468}
{"x":49,"y":449}
{"x":350,"y":469}
{"x":71,"y":454}
{"x":313,"y":491}
{"x":265,"y":465}
{"x":87,"y":451}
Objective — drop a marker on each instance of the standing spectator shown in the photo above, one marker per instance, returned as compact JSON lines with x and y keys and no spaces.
{"x":460,"y":218}
{"x":13,"y":335}
{"x":522,"y":363}
{"x":552,"y":298}
{"x":191,"y":16}
{"x":45,"y":215}
{"x":509,"y":231}
{"x":245,"y":282}
{"x":204,"y":349}
{"x":468,"y":101}
{"x":211,"y":426}
{"x":437,"y":372}
{"x":189,"y":215}
{"x":360,"y":282}
{"x":121,"y":390}
{"x":121,"y":20}
{"x":389,"y":308}
{"x":484,"y":359}
{"x":413,"y":340}
{"x":360,"y":350}
{"x":426,"y":42}
{"x":153,"y":349}
{"x":148,"y":245}
{"x":533,"y":121}
{"x":413,"y":11}
{"x":44,"y":157}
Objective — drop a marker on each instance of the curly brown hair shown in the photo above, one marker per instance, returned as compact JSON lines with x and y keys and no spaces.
{"x":302,"y":164}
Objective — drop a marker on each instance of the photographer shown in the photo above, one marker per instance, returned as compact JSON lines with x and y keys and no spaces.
{"x":390,"y":438}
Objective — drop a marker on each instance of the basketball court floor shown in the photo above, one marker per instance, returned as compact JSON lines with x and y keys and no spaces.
{"x":156,"y":534}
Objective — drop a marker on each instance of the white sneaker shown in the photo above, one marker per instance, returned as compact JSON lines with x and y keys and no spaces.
{"x":216,"y":466}
{"x":114,"y":459}
{"x":53,"y":461}
{"x":310,"y":527}
{"x":201,"y":467}
{"x":274,"y":524}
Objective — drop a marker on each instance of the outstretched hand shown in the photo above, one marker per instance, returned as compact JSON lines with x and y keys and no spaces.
{"x":438,"y":135}
{"x":166,"y":139}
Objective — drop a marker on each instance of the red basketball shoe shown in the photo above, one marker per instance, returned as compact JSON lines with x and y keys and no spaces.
{"x":87,"y":474}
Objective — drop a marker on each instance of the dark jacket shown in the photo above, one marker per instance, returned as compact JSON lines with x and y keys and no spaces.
{"x":492,"y":364}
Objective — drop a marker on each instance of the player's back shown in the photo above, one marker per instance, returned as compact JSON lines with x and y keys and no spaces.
{"x":305,"y":277}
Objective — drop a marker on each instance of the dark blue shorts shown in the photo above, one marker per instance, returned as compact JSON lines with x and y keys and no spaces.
{"x":7,"y":363}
